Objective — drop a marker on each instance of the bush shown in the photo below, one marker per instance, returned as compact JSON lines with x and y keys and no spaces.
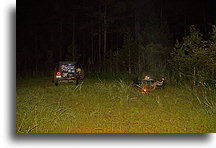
{"x":194,"y":59}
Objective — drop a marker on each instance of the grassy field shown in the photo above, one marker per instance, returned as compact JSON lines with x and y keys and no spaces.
{"x":110,"y":106}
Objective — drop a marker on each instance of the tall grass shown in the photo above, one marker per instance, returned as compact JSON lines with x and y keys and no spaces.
{"x":100,"y":105}
{"x":205,"y":96}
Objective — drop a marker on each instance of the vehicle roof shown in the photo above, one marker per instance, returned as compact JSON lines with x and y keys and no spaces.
{"x":67,"y":62}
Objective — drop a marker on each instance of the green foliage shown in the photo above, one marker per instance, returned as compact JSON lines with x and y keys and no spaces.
{"x":128,"y":55}
{"x":138,"y":56}
{"x":194,"y":59}
{"x":193,"y":39}
{"x":156,"y":58}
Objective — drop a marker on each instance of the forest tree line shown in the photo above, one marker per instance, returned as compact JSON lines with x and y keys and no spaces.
{"x":114,"y":37}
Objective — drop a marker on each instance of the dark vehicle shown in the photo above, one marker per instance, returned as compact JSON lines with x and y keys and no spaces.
{"x":66,"y":71}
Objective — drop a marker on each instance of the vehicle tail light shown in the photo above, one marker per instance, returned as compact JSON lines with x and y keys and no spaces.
{"x":58,"y":73}
{"x":78,"y":70}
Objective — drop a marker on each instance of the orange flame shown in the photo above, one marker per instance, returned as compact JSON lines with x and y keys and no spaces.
{"x":144,"y":90}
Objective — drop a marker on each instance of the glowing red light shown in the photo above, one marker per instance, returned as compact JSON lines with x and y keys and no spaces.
{"x":58,"y":73}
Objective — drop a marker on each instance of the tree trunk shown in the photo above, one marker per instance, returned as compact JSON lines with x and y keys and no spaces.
{"x":92,"y":47}
{"x":117,"y":41}
{"x":36,"y":52}
{"x":215,"y":63}
{"x":185,"y":25}
{"x":73,"y":42}
{"x":129,"y":59}
{"x":161,"y":13}
{"x":73,"y":28}
{"x":105,"y":36}
{"x":161,"y":16}
{"x":99,"y":49}
{"x":204,"y":23}
{"x":139,"y":62}
{"x":136,"y":26}
{"x":60,"y":42}
{"x":180,"y":75}
{"x":194,"y":76}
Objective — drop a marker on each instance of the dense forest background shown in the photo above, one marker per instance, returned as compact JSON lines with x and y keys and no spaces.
{"x":168,"y":38}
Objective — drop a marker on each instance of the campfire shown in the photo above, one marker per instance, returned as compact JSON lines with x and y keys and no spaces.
{"x":144,"y":91}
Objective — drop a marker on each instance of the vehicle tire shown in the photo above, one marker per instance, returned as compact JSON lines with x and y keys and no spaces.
{"x":77,"y":81}
{"x":82,"y":74}
{"x":57,"y":83}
